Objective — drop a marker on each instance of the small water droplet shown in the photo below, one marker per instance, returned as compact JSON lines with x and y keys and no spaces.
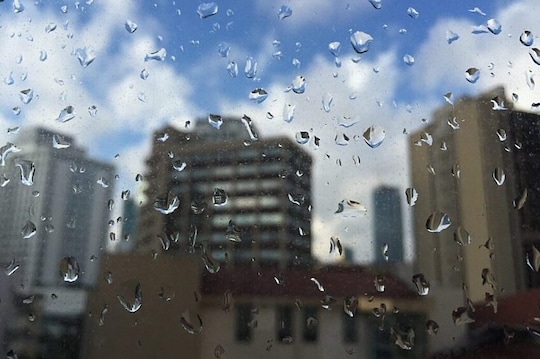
{"x":85,"y":56}
{"x":220,"y":197}
{"x":302,"y":137}
{"x":224,"y":49}
{"x":374,"y":136}
{"x":69,"y":269}
{"x":233,"y":233}
{"x":137,"y":301}
{"x":130,"y":26}
{"x":288,"y":112}
{"x":526,"y":38}
{"x":28,"y":230}
{"x":451,"y":36}
{"x":185,"y":320}
{"x":432,"y":328}
{"x":248,"y":124}
{"x":50,"y":27}
{"x":232,"y":69}
{"x":535,"y":55}
{"x":5,"y":150}
{"x":166,"y":203}
{"x":210,"y":264}
{"x":498,"y":104}
{"x":361,"y":41}
{"x":408,"y":60}
{"x":472,"y":75}
{"x":327,"y":101}
{"x":421,"y":283}
{"x":501,"y":133}
{"x":379,"y":283}
{"x":179,"y":165}
{"x":499,"y":176}
{"x":350,"y":304}
{"x":158,"y":55}
{"x":494,"y":26}
{"x":341,"y":139}
{"x":412,"y":196}
{"x":26,"y":96}
{"x":519,"y":202}
{"x":377,"y":4}
{"x":284,"y":12}
{"x":258,"y":95}
{"x":18,"y":6}
{"x":535,"y":264}
{"x":413,"y":13}
{"x":334,"y":48}
{"x":67,"y":114}
{"x":60,"y":142}
{"x":403,"y":337}
{"x":350,"y":208}
{"x":206,"y":10}
{"x":298,"y":84}
{"x":461,"y":316}
{"x":250,"y":68}
{"x":27,"y":171}
{"x":318,"y":284}
{"x":461,"y":236}
{"x":437,"y":222}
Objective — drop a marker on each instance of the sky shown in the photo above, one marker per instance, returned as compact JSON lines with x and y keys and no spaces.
{"x":173,"y":68}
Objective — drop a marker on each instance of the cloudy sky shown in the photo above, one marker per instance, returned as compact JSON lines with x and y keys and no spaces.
{"x":178,"y":65}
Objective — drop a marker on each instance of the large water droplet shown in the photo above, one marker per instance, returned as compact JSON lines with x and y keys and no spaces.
{"x":374,"y":136}
{"x":298,"y":84}
{"x":6,"y":150}
{"x":499,"y":176}
{"x":421,"y":283}
{"x":130,"y":26}
{"x":284,"y":12}
{"x":360,"y":41}
{"x":250,"y":69}
{"x":69,"y":269}
{"x":29,"y":230}
{"x":85,"y":56}
{"x":220,"y":197}
{"x":527,"y":38}
{"x":134,"y":306}
{"x":67,"y":114}
{"x":437,"y":222}
{"x":158,"y":55}
{"x":412,"y":196}
{"x":166,"y":203}
{"x":258,"y":95}
{"x":494,"y":26}
{"x":188,"y":326}
{"x":27,"y":170}
{"x":26,"y":96}
{"x":472,"y":75}
{"x":11,"y":267}
{"x":207,"y":9}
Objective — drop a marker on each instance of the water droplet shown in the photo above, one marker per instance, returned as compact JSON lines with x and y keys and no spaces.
{"x":226,"y":305}
{"x":179,"y":165}
{"x":350,"y":304}
{"x":28,"y":230}
{"x":298,"y":84}
{"x":102,"y":315}
{"x":519,"y":202}
{"x":185,"y":320}
{"x":220,"y":197}
{"x":144,"y":74}
{"x":334,"y":48}
{"x":26,"y":96}
{"x":5,"y":150}
{"x":472,"y":75}
{"x":67,"y":114}
{"x":421,"y":283}
{"x":69,"y":269}
{"x":327,"y":101}
{"x":318,"y":284}
{"x":437,"y":222}
{"x":488,"y":278}
{"x":360,"y":41}
{"x":535,"y":265}
{"x":327,"y":301}
{"x":258,"y":95}
{"x":412,"y":196}
{"x":130,"y":26}
{"x":8,"y":80}
{"x":379,"y":283}
{"x":494,"y":26}
{"x":206,"y":10}
{"x":526,"y":38}
{"x":158,"y":55}
{"x":250,"y":69}
{"x":85,"y":56}
{"x":166,"y":203}
{"x":125,"y":194}
{"x":432,"y":327}
{"x":499,"y":176}
{"x":11,"y":267}
{"x":92,"y":110}
{"x":413,"y":13}
{"x":451,"y":36}
{"x":60,"y":142}
{"x":224,"y":49}
{"x":137,"y":301}
{"x":408,"y":60}
{"x":233,"y":233}
{"x":219,"y":351}
{"x":350,"y":208}
{"x":27,"y":171}
{"x":498,"y":104}
{"x":462,"y":237}
{"x":232,"y":69}
{"x":374,"y":136}
{"x":302,"y":137}
{"x":341,"y":139}
{"x":248,"y":124}
{"x":501,"y":133}
{"x":284,"y":12}
{"x":377,"y":4}
{"x":535,"y":55}
{"x":18,"y":6}
{"x":461,"y":316}
{"x":335,"y":244}
{"x":43,"y":55}
{"x":402,"y":337}
{"x":210,"y":264}
{"x":288,"y":112}
{"x":50,"y":27}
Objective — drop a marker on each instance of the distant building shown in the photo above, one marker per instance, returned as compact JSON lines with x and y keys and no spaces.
{"x":388,"y":224}
{"x":240,"y":198}
{"x":54,"y":223}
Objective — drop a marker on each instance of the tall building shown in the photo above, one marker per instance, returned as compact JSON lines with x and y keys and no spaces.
{"x":388,"y":224}
{"x":222,"y":192}
{"x":54,"y":223}
{"x":476,"y":168}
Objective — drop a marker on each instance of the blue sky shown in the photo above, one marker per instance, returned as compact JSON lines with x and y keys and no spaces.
{"x":377,"y":88}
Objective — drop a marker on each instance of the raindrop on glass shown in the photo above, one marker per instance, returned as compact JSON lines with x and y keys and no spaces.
{"x":302,"y":137}
{"x":188,"y":326}
{"x":472,"y":75}
{"x":18,"y":6}
{"x":284,"y":12}
{"x":233,"y":233}
{"x":166,"y":203}
{"x":413,"y":13}
{"x":535,"y":55}
{"x":451,"y":36}
{"x":462,"y":237}
{"x":408,"y":60}
{"x":69,"y":269}
{"x":421,"y":283}
{"x":288,"y":112}
{"x":26,"y":96}
{"x":232,"y":69}
{"x":130,"y":26}
{"x":5,"y":150}
{"x":334,"y":48}
{"x":374,"y":136}
{"x":11,"y":267}
{"x":494,"y":26}
{"x":412,"y":196}
{"x":158,"y":55}
{"x":85,"y":56}
{"x":526,"y":38}
{"x":136,"y":304}
{"x":519,"y":202}
{"x":377,"y":4}
{"x":67,"y":114}
{"x":215,"y":121}
{"x":60,"y":142}
{"x":206,"y":10}
{"x":250,"y":68}
{"x":432,"y":328}
{"x":298,"y":84}
{"x":220,"y":197}
{"x":27,"y":171}
{"x":360,"y":41}
{"x":499,"y":176}
{"x":258,"y":95}
{"x":327,"y":101}
{"x":437,"y":222}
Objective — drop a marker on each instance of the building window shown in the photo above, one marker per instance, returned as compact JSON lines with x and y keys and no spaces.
{"x":284,"y":323}
{"x":243,"y":320}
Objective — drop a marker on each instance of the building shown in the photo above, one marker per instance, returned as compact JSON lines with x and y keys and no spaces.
{"x":475,"y":167}
{"x":388,"y":224}
{"x":54,"y":226}
{"x":221,"y":191}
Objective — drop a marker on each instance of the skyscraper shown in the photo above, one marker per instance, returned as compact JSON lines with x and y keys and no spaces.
{"x":238,"y":198}
{"x":388,"y":223}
